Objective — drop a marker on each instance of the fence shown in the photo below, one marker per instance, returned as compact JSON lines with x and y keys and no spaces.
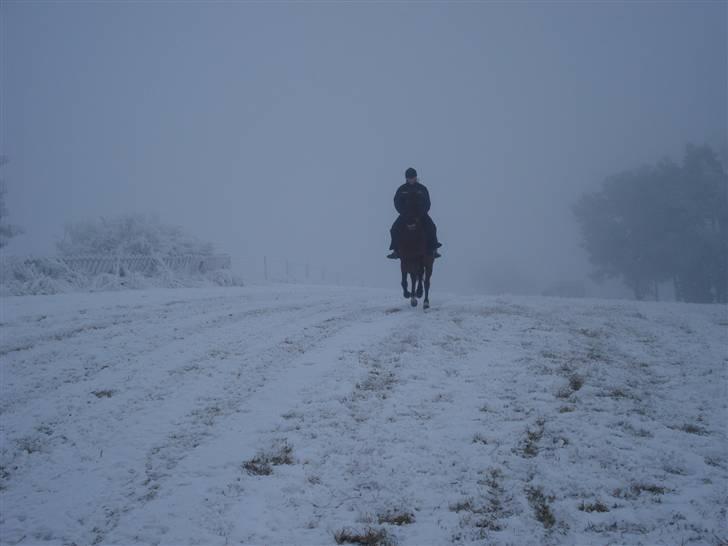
{"x":118,"y":265}
{"x":15,"y":269}
{"x":283,"y":270}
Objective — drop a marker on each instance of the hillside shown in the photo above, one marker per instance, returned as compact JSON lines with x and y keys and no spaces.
{"x":297,"y":415}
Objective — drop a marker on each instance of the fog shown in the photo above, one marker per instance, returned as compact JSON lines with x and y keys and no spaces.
{"x":284,"y":129}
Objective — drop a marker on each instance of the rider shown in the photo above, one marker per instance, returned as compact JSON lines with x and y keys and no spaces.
{"x":413,"y":185}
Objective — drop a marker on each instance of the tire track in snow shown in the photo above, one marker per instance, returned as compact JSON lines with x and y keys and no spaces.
{"x":358,"y":430}
{"x":121,"y":346}
{"x":293,"y":331}
{"x":145,"y":398}
{"x":319,"y":358}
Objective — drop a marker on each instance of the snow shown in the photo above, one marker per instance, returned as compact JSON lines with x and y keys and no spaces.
{"x":128,"y":417}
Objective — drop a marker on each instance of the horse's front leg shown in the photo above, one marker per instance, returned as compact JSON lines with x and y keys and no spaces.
{"x":428,"y":275}
{"x":404,"y":282}
{"x":413,"y":296}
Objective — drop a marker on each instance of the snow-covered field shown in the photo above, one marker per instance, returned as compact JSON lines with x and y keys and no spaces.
{"x":297,"y":415}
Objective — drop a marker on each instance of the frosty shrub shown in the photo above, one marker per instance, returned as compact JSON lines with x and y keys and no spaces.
{"x":37,"y":276}
{"x":132,"y":251}
{"x":129,"y":235}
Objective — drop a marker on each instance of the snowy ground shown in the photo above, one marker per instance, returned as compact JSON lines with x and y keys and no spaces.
{"x":291,"y":415}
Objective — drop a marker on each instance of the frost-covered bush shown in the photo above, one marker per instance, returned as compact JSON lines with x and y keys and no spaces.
{"x":37,"y":276}
{"x":43,"y":276}
{"x":127,"y":252}
{"x":224,"y":277}
{"x":129,"y":235}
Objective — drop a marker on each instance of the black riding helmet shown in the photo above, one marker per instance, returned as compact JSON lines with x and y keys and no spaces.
{"x":410,"y":173}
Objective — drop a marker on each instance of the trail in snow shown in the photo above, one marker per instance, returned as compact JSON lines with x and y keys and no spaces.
{"x":127,"y":418}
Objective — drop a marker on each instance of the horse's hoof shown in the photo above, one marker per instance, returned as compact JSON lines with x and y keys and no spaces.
{"x":413,"y":303}
{"x":426,"y":305}
{"x":407,"y":295}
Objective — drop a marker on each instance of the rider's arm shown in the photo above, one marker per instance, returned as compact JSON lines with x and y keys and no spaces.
{"x":427,"y":199}
{"x":399,"y":200}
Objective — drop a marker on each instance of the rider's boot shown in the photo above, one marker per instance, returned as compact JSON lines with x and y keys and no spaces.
{"x":435,"y":253}
{"x":393,"y":256}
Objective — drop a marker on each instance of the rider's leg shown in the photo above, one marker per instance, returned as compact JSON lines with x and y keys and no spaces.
{"x":394,"y":233}
{"x":433,"y":243}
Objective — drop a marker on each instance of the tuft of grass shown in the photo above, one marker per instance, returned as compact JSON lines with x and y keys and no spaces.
{"x":713,"y":461}
{"x":576,"y":382}
{"x":616,"y":527}
{"x":595,"y":354}
{"x":639,"y":432}
{"x":488,"y":522}
{"x":693,"y":429}
{"x":4,"y":475}
{"x":564,"y":392}
{"x":478,"y":438}
{"x":31,"y":444}
{"x":396,"y":517}
{"x":45,"y":429}
{"x":258,"y":467}
{"x":462,"y":506}
{"x":636,"y":489}
{"x":533,"y":437}
{"x":377,"y":380}
{"x":262,"y":464}
{"x":674,"y":469}
{"x":281,"y":454}
{"x":487,"y":511}
{"x":367,"y":537}
{"x":108,"y":393}
{"x":593,"y":507}
{"x":650,"y":488}
{"x":617,"y":393}
{"x":540,"y":504}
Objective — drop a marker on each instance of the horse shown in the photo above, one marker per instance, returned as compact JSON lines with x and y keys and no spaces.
{"x":414,"y":259}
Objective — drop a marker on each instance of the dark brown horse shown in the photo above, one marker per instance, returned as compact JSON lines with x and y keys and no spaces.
{"x":415,"y":261}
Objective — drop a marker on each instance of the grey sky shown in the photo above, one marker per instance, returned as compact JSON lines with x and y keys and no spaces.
{"x":285,"y":128}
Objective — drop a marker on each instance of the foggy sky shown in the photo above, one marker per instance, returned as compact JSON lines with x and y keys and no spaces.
{"x":284,"y":129}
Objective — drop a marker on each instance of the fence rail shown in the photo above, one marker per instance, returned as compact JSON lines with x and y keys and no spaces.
{"x":14,"y":269}
{"x":278,"y":269}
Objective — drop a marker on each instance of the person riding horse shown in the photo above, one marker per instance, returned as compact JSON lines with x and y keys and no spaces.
{"x":412,"y":189}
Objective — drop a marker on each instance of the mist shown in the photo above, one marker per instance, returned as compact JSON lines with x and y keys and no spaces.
{"x":283,"y":130}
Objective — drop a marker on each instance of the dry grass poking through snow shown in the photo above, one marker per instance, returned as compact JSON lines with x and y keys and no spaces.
{"x":262,"y":464}
{"x":367,"y":537}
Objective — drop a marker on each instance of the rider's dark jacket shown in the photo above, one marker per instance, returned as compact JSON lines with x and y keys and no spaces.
{"x":406,"y":190}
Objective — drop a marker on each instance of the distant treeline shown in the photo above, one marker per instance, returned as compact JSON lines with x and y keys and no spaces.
{"x":663,"y":222}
